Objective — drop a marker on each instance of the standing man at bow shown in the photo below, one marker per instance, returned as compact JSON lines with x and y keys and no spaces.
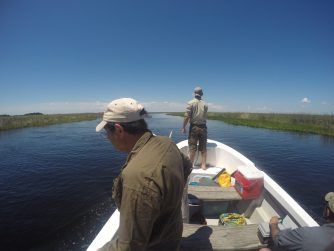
{"x":196,"y":115}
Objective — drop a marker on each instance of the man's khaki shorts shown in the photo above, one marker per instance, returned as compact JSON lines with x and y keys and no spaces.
{"x":197,"y":134}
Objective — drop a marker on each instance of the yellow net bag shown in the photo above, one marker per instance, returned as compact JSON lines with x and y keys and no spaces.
{"x":232,"y":219}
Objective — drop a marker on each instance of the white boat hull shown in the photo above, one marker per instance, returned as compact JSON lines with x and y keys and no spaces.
{"x":274,"y":200}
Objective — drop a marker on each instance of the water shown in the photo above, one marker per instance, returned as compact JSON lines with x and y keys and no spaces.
{"x":55,"y":181}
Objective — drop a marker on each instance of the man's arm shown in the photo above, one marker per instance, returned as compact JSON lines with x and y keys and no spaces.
{"x":187,"y":167}
{"x":187,"y":116}
{"x":274,"y":230}
{"x":288,"y":239}
{"x":185,"y":122}
{"x":137,"y":215}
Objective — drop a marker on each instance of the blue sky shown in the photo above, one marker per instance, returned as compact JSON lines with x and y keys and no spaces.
{"x":66,"y":56}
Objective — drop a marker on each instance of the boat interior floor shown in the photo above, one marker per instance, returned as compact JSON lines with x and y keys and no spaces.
{"x":206,"y":232}
{"x":197,"y":237}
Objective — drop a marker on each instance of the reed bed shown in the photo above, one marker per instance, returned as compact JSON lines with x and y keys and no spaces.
{"x":306,"y":123}
{"x":23,"y":121}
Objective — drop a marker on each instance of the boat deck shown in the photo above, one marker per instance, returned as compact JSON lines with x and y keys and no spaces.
{"x":214,"y":193}
{"x":220,"y":238}
{"x":214,"y":200}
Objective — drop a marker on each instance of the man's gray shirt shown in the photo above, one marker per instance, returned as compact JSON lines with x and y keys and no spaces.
{"x":307,"y":238}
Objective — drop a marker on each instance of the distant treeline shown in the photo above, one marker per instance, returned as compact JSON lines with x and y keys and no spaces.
{"x":38,"y":119}
{"x":306,"y":123}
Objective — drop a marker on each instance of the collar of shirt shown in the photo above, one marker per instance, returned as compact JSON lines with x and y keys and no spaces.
{"x":139,"y":145}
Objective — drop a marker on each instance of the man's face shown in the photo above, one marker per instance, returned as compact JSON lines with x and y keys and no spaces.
{"x":115,"y":136}
{"x":328,"y":214}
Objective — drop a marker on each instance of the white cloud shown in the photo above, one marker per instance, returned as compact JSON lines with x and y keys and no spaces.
{"x":55,"y":107}
{"x":96,"y":106}
{"x":164,"y":106}
{"x":306,"y":101}
{"x":151,"y":106}
{"x":216,"y":107}
{"x":264,"y":109}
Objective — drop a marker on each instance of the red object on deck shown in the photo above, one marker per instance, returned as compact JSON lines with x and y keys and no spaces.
{"x":248,"y":182}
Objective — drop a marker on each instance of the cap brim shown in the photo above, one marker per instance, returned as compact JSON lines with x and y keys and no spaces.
{"x":100,"y":126}
{"x":330,"y":199}
{"x":329,"y":196}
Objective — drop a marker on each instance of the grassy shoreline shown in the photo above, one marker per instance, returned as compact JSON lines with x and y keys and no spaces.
{"x":305,"y":123}
{"x":24,"y":121}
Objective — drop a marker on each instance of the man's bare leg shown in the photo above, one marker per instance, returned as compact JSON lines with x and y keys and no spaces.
{"x":203,"y":165}
{"x":192,"y":156}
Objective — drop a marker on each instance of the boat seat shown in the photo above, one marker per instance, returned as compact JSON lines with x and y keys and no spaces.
{"x":220,"y":238}
{"x":213,"y":193}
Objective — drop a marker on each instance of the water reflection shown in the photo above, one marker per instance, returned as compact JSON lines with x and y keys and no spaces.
{"x":327,"y":140}
{"x":61,"y":175}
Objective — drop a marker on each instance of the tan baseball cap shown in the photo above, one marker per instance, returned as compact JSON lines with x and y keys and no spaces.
{"x":122,"y":110}
{"x":330,"y":199}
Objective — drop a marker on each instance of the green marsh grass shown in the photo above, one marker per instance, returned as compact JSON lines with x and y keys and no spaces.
{"x":22,"y":121}
{"x":306,"y":123}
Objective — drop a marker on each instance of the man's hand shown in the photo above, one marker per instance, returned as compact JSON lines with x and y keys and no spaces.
{"x":274,"y":220}
{"x":273,"y":225}
{"x":185,"y":122}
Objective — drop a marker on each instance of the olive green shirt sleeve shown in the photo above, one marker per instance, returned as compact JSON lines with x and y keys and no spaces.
{"x":187,"y":167}
{"x":137,"y":215}
{"x":188,"y":110}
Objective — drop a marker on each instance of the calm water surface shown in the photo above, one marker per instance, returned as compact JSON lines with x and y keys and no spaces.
{"x":55,"y":181}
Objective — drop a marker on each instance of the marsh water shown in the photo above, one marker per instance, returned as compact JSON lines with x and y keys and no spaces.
{"x":55,"y":181}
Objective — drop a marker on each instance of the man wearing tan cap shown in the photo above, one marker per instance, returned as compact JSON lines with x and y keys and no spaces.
{"x":196,"y":115}
{"x":149,"y":188}
{"x":306,"y":238}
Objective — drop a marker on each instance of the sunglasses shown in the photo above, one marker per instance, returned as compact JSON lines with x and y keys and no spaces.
{"x":327,"y":212}
{"x":108,"y":128}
